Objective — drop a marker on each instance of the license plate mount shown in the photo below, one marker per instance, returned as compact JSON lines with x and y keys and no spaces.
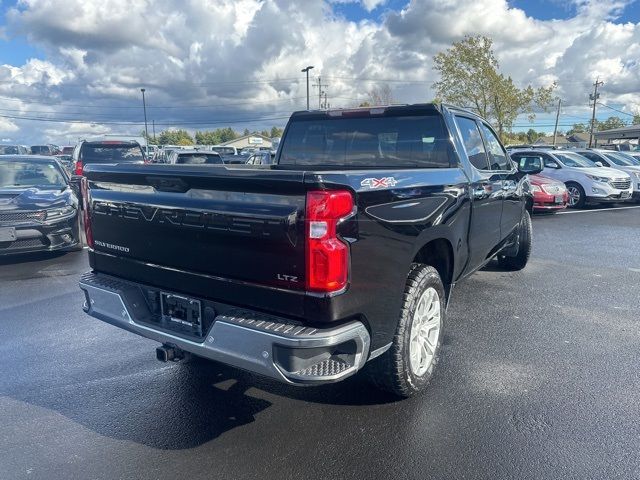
{"x":8,"y":234}
{"x":559,"y":199}
{"x":181,"y":310}
{"x":625,"y":195}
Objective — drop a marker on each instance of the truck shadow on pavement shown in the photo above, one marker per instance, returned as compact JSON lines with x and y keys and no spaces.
{"x":183,"y":406}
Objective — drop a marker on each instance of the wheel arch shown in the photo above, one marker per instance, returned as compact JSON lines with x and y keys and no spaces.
{"x":438,"y":253}
{"x":528,"y":205}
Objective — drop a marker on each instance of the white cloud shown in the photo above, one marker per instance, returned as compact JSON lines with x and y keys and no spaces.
{"x":7,"y":126}
{"x":368,"y":5}
{"x":243,"y":58}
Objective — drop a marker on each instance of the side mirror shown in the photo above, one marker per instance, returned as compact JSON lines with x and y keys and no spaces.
{"x":552,"y":164}
{"x":530,"y":165}
{"x":599,"y":164}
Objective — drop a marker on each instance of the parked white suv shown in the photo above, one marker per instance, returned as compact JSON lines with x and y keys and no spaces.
{"x":586,"y":182}
{"x":619,"y":161}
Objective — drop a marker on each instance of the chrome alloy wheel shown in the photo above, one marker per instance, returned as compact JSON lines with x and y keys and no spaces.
{"x":425,"y":332}
{"x":574,"y":195}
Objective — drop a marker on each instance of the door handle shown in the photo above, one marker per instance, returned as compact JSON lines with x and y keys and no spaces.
{"x":482,"y":191}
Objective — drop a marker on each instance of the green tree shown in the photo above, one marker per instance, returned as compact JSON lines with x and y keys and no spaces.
{"x":514,"y":138}
{"x":636,"y":118}
{"x":470,"y":77}
{"x":609,"y":123}
{"x":246,"y":132}
{"x":265,"y":133}
{"x":227,"y":134}
{"x":151,"y":140}
{"x":214,"y":137}
{"x":532,"y":135}
{"x":276,"y":132}
{"x":206,"y":138}
{"x":175,"y":137}
{"x":380,"y":95}
{"x":577,"y":128}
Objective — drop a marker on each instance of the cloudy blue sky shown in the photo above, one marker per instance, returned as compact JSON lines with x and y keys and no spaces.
{"x":74,"y":68}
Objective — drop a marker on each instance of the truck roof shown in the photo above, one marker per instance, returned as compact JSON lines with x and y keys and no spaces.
{"x":411,"y":109}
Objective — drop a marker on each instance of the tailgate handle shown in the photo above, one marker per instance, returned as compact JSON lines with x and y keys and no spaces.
{"x":167,"y":184}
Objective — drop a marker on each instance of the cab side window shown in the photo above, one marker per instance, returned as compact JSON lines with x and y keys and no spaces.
{"x":498,"y":159}
{"x":473,"y":143}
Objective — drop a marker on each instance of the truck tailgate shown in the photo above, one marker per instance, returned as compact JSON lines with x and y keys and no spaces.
{"x":216,"y":220}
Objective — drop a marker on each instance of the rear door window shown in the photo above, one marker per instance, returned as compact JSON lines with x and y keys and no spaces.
{"x":198,"y":159}
{"x":498,"y":159}
{"x":526,"y":160}
{"x":111,"y":153}
{"x":473,"y":143}
{"x":371,"y":141}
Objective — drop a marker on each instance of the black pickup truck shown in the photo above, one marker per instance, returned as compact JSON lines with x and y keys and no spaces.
{"x":341,"y":256}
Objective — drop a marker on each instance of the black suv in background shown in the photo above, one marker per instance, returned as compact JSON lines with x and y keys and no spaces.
{"x":47,"y":150}
{"x":13,"y":150}
{"x":105,"y":151}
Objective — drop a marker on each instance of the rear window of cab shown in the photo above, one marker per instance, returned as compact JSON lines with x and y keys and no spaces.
{"x":385,"y":141}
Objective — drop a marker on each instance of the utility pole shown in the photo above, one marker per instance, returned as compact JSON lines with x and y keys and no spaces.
{"x":325,"y":101}
{"x":555,"y":129}
{"x":146,"y":131}
{"x":306,"y":70}
{"x":153,"y":123}
{"x":594,"y":98}
{"x":320,"y":86}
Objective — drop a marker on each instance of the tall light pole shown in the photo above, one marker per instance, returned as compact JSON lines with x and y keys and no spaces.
{"x":146,"y":130}
{"x":306,"y":70}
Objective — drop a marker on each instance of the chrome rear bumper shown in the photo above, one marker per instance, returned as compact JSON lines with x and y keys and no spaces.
{"x":263,"y":344}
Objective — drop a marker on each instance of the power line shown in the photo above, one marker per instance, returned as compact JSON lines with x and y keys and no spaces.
{"x":228,"y":104}
{"x":163,"y":123}
{"x":160,"y":86}
{"x":615,"y":109}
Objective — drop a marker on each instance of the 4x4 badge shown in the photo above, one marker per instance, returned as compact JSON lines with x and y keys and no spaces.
{"x":378,"y":182}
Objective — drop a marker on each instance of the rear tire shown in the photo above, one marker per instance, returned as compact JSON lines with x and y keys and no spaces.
{"x":520,"y":260}
{"x":577,"y":197}
{"x":407,"y":367}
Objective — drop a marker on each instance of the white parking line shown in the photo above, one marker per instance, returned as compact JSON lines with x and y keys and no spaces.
{"x":598,"y":210}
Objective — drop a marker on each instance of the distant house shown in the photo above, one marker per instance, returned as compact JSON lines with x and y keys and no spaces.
{"x":252,"y":140}
{"x":574,"y":140}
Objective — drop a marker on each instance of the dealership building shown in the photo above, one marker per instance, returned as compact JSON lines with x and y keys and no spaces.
{"x":251,"y":140}
{"x":628,"y":134}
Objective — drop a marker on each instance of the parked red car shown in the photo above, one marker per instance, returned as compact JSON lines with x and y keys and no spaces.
{"x":549,"y":195}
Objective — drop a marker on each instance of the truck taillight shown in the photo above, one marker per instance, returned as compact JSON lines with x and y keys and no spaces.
{"x":79,"y":168}
{"x":86,"y":217}
{"x":327,"y":255}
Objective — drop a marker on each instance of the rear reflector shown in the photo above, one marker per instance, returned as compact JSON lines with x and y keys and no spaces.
{"x":86,"y":214}
{"x":327,"y":255}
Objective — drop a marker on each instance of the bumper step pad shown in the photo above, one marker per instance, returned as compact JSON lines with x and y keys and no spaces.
{"x":326,"y":368}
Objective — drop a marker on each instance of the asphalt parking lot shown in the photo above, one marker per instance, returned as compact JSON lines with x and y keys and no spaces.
{"x":539,"y":378}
